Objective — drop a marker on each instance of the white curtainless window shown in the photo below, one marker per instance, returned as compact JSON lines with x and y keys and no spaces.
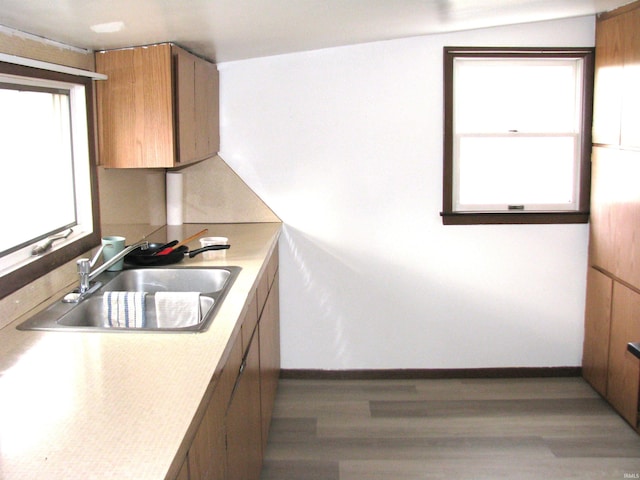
{"x":37,"y":142}
{"x":517,"y":140}
{"x":47,"y":185}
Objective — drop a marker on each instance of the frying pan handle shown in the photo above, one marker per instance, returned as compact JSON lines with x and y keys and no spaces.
{"x":193,"y":253}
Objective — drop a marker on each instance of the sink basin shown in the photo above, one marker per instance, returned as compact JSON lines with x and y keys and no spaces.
{"x":205,"y":280}
{"x":87,"y":315}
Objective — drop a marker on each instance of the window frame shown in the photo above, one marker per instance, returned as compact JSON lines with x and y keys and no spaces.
{"x":41,"y":265}
{"x":452,"y":217}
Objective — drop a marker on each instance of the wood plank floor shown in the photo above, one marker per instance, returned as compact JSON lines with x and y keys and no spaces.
{"x":543,"y":428}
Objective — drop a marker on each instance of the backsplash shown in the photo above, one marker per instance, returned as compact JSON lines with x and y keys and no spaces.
{"x":132,"y":196}
{"x":213,"y":193}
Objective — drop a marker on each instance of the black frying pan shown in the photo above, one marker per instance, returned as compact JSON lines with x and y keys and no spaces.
{"x":147,"y":258}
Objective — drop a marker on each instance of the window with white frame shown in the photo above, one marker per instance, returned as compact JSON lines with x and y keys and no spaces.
{"x":47,"y":184}
{"x":517,"y":135}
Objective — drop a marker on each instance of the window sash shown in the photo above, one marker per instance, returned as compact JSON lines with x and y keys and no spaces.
{"x":507,"y":182}
{"x":528,"y":89}
{"x":29,"y":114}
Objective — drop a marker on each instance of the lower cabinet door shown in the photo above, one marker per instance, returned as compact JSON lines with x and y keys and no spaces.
{"x":217,"y":436}
{"x":624,"y":368}
{"x":244,"y":432}
{"x":183,"y":474}
{"x":269,"y":330}
{"x":595,"y":354}
{"x":207,"y":456}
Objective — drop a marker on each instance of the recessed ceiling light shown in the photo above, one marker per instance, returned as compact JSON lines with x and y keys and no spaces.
{"x":109,"y":27}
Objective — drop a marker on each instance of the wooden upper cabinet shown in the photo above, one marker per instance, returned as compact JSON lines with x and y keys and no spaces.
{"x":607,"y":103}
{"x":616,"y":108}
{"x":158,"y":108}
{"x":630,"y":116}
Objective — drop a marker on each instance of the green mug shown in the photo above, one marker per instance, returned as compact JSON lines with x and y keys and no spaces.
{"x":112,"y":246}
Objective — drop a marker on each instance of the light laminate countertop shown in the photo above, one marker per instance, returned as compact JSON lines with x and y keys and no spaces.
{"x":76,"y":405}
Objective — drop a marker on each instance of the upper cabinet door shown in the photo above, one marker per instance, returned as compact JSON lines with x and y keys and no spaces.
{"x":185,"y":104}
{"x":135,"y":107}
{"x":630,"y":123}
{"x":616,"y":108}
{"x":607,"y":101}
{"x":614,"y":244}
{"x":158,"y":108}
{"x":197,"y":103}
{"x":208,"y":109}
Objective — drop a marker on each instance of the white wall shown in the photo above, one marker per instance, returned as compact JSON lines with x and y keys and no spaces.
{"x":345,"y":145}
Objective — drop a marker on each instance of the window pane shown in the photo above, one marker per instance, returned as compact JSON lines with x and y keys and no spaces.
{"x":504,"y":95}
{"x":516,"y":170}
{"x":35,"y":144}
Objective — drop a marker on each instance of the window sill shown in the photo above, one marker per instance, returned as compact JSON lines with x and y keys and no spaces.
{"x":502,"y":218}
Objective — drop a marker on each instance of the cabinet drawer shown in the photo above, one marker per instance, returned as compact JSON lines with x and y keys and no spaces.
{"x":261,"y":292}
{"x":272,"y":268}
{"x":249,"y":323}
{"x":264,"y":285}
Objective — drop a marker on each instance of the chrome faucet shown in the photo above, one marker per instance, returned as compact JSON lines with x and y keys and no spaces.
{"x":87,"y":274}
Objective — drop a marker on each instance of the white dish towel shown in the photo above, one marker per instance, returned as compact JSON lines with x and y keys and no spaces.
{"x":124,"y":309}
{"x":177,"y":309}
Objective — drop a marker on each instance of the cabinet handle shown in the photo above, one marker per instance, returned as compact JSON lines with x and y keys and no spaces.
{"x":237,"y":382}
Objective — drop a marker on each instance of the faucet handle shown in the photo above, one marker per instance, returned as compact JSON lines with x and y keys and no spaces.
{"x":84,"y":266}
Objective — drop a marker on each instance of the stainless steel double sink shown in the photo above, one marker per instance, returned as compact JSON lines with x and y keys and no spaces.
{"x":88,"y":315}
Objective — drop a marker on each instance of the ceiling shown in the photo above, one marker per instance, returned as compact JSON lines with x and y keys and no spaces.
{"x":227,"y":30}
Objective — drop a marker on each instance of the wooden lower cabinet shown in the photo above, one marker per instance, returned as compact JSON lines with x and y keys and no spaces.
{"x":612,"y":320}
{"x":230,"y":440}
{"x":624,"y":368}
